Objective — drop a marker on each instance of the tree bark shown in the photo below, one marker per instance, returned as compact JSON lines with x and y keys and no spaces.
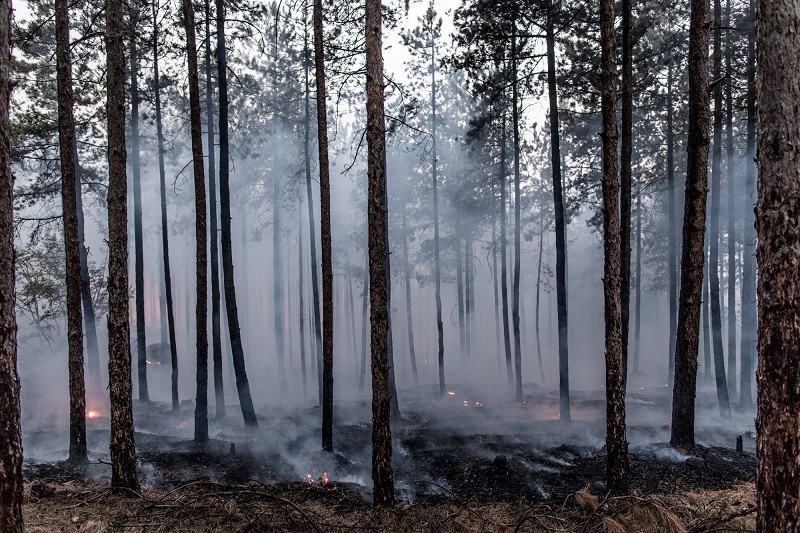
{"x":460,"y":290}
{"x":517,"y":223}
{"x":672,"y":255}
{"x":382,"y":474}
{"x":237,"y":350}
{"x":626,"y":179}
{"x":138,"y":237}
{"x":560,"y":226}
{"x":69,"y":205}
{"x":503,"y":251}
{"x":616,"y":439}
{"x":749,"y":316}
{"x":409,"y":322}
{"x":11,"y":519}
{"x":123,"y":446}
{"x":731,"y":204}
{"x":708,"y":356}
{"x":692,"y":255}
{"x":539,"y":291}
{"x":777,"y":424}
{"x":437,"y":276}
{"x":498,"y":342}
{"x":216,"y":314}
{"x":713,"y":229}
{"x":325,"y":232}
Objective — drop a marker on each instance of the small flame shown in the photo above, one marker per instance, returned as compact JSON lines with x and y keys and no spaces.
{"x":451,"y":393}
{"x":91,"y":414}
{"x":324,"y":478}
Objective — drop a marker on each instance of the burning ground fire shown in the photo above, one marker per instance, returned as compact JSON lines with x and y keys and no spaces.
{"x":321,"y":481}
{"x":91,"y":414}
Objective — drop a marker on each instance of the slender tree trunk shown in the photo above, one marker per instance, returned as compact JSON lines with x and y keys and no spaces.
{"x":382,"y":474}
{"x":173,"y":348}
{"x":201,"y":233}
{"x":277,"y":284}
{"x":301,"y":293}
{"x":325,"y":232}
{"x":692,"y":257}
{"x":237,"y":350}
{"x":138,"y":237}
{"x":409,"y":322}
{"x":777,"y":424}
{"x":11,"y":519}
{"x":626,"y":179}
{"x":460,"y":290}
{"x":560,"y":226}
{"x":94,"y":385}
{"x":503,"y":253}
{"x":364,"y":323}
{"x":713,"y":229}
{"x":216,"y":318}
{"x":437,"y":274}
{"x":517,"y":223}
{"x":123,"y":446}
{"x":749,"y":318}
{"x":707,"y":354}
{"x":393,"y":400}
{"x":638,"y":310}
{"x":468,"y":293}
{"x":731,"y":205}
{"x":673,"y":235}
{"x":69,"y":205}
{"x":498,"y":342}
{"x":539,"y":291}
{"x":616,"y":438}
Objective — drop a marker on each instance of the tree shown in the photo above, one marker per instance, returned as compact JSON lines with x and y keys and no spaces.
{"x":777,"y":425}
{"x":173,"y":348}
{"x":672,"y":253}
{"x":242,"y":383}
{"x":616,"y":439}
{"x":729,"y":151}
{"x":69,"y":206}
{"x":200,"y":228}
{"x":325,"y":232}
{"x":10,"y":427}
{"x":382,"y":474}
{"x":692,"y":255}
{"x":626,"y":152}
{"x":123,"y":447}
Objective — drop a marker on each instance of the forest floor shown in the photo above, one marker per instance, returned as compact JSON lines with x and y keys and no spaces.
{"x":471,"y":461}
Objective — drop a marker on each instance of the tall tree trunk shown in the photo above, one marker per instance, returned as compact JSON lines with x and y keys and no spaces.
{"x":692,"y":257}
{"x":437,"y":274}
{"x":517,"y":222}
{"x":277,"y":283}
{"x":560,"y":227}
{"x":539,"y":290}
{"x":468,"y":293}
{"x":498,"y":342}
{"x":713,"y":229}
{"x":707,"y":354}
{"x":237,"y":350}
{"x":382,"y":474}
{"x":301,"y":292}
{"x":393,"y":400}
{"x":672,"y":255}
{"x":364,"y":323}
{"x":201,"y":232}
{"x":173,"y":347}
{"x":138,"y":237}
{"x":216,"y":314}
{"x":94,"y":385}
{"x":123,"y":446}
{"x":749,"y":318}
{"x":409,"y":322}
{"x":731,"y":204}
{"x":777,"y":424}
{"x":638,"y":310}
{"x":616,"y":438}
{"x":69,"y":205}
{"x":460,"y":290}
{"x":503,"y":252}
{"x":351,"y":310}
{"x":11,"y":519}
{"x":625,"y":177}
{"x":325,"y":232}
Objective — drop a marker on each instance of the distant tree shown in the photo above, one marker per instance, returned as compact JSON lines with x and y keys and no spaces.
{"x":777,"y":424}
{"x":69,"y":207}
{"x":123,"y":447}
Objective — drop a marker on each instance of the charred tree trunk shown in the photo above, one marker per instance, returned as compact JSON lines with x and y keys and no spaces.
{"x":325,"y":233}
{"x":69,"y":206}
{"x":517,"y":223}
{"x":216,"y":314}
{"x":777,"y":424}
{"x":672,"y":255}
{"x":749,"y":315}
{"x":123,"y":446}
{"x":237,"y":350}
{"x":11,"y":519}
{"x":731,"y":204}
{"x":503,"y":252}
{"x":173,"y":348}
{"x":138,"y":237}
{"x":201,"y":234}
{"x":382,"y":474}
{"x":560,"y":226}
{"x":713,"y":229}
{"x":616,"y":439}
{"x":625,"y":177}
{"x":409,"y":322}
{"x":692,"y":256}
{"x":437,"y":276}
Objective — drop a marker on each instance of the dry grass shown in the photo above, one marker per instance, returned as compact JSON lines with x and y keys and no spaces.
{"x":203,"y":506}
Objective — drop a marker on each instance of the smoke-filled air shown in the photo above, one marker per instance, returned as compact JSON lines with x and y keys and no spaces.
{"x":433,"y":265}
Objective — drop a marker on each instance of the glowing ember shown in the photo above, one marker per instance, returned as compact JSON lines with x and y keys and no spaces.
{"x":156,"y":363}
{"x":91,"y":414}
{"x":324,"y":478}
{"x":451,"y":393}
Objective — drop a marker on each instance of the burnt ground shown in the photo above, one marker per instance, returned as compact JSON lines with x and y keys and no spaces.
{"x":469,"y":445}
